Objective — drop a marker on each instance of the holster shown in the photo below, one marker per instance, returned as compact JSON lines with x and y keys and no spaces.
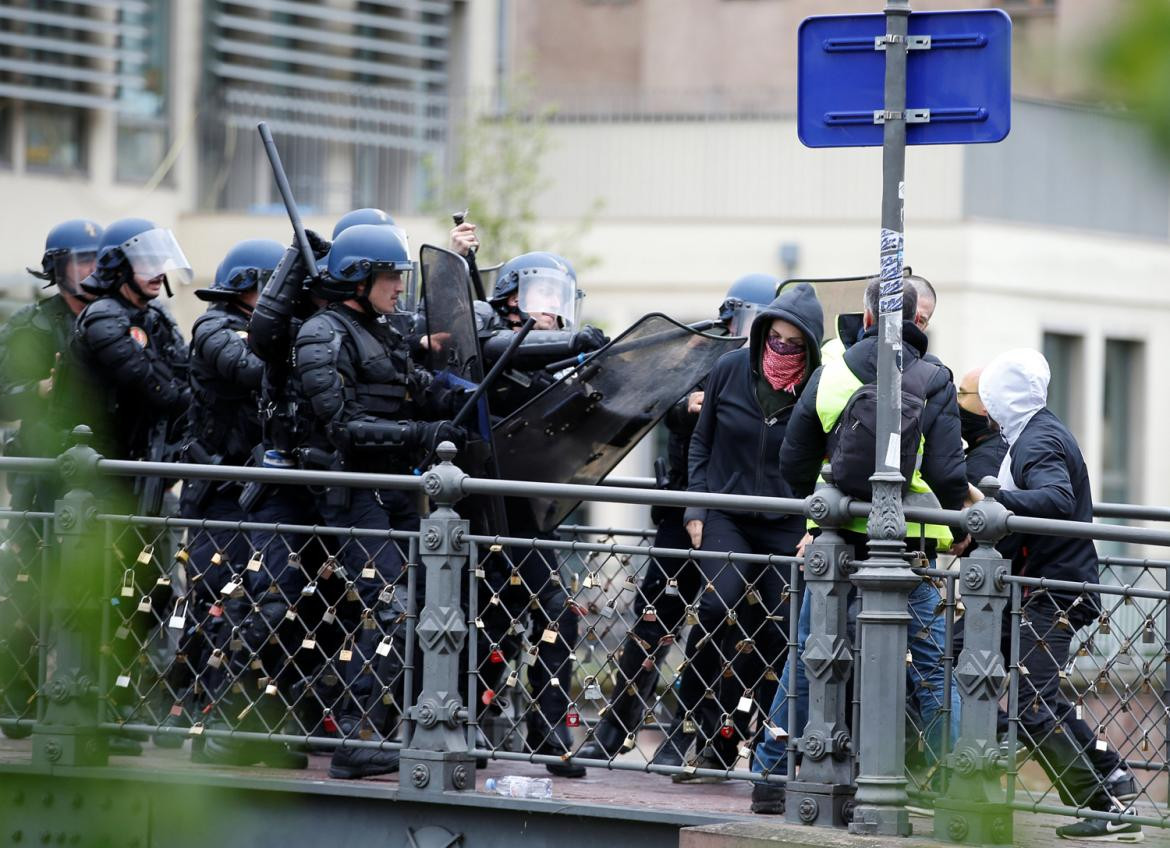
{"x":337,"y":497}
{"x":199,"y":491}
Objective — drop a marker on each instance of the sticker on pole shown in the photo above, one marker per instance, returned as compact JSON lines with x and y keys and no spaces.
{"x":958,"y":78}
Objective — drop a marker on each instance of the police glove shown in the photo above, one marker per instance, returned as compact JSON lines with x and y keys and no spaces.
{"x":429,"y":434}
{"x":588,"y":338}
{"x":319,"y":245}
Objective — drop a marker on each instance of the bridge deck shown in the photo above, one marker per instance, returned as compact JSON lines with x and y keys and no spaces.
{"x":716,"y":815}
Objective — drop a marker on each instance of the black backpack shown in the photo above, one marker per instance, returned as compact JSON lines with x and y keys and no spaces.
{"x":851,"y":443}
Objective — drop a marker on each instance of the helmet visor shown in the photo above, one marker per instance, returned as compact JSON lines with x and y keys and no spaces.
{"x":391,"y":277}
{"x":155,"y":253}
{"x":69,"y":267}
{"x":548,"y":291}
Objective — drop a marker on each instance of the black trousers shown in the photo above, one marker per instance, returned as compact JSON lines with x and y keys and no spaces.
{"x":539,"y":604}
{"x":1047,"y":720}
{"x":737,"y":650}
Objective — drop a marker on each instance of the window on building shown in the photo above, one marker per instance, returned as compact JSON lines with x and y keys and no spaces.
{"x":143,"y":99}
{"x":54,"y":138}
{"x":1121,"y":436}
{"x":1065,"y":355}
{"x":6,"y":131}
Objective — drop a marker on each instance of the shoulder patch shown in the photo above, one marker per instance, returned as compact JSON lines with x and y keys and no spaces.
{"x":139,"y":335}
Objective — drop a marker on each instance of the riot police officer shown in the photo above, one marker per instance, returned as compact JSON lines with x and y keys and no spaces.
{"x":30,"y":343}
{"x":671,"y":583}
{"x":125,"y":377}
{"x":129,"y":353}
{"x":542,"y":285}
{"x":368,"y":409}
{"x":223,"y":427}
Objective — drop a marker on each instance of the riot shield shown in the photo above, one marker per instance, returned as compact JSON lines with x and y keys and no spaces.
{"x":450,"y":316}
{"x":578,"y":429}
{"x":838,"y":296}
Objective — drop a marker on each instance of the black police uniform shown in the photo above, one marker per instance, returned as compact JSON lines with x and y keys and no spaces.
{"x":528,"y":582}
{"x":125,"y":376}
{"x":364,"y":398}
{"x":221,"y":429}
{"x":29,"y":344}
{"x":131,"y":379}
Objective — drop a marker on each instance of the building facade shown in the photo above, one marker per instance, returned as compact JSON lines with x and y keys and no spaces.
{"x":676,"y":115}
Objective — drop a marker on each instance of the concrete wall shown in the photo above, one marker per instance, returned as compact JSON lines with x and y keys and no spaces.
{"x":576,"y":51}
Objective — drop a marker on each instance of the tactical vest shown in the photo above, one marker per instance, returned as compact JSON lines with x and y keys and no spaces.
{"x":224,"y":416}
{"x":837,"y":385}
{"x":381,"y":362}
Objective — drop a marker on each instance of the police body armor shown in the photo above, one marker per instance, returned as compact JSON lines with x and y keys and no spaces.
{"x":356,"y":375}
{"x":29,"y":344}
{"x":225,"y":379}
{"x":123,"y":357}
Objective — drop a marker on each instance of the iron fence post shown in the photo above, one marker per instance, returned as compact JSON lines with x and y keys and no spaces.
{"x":975,"y":808}
{"x":824,"y":794}
{"x":66,"y":733}
{"x":436,"y":757}
{"x":885,"y":580}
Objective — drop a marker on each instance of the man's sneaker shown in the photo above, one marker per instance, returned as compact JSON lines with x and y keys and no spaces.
{"x":767,"y":800}
{"x":1122,"y":786}
{"x":1100,"y":830}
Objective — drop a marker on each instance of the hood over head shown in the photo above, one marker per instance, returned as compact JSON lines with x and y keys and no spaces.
{"x":798,"y":305}
{"x":1014,"y":387}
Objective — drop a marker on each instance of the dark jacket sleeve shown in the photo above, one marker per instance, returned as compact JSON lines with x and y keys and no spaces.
{"x":803,"y":452}
{"x":703,"y":439}
{"x":1040,"y":470}
{"x":104,"y":331}
{"x":26,"y":358}
{"x":944,"y":466}
{"x":227,"y":353}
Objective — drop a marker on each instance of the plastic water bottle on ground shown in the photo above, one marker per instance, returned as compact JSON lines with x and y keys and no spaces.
{"x":513,"y":786}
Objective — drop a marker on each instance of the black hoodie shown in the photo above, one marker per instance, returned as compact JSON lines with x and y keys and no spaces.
{"x":733,"y":440}
{"x":942,"y":468}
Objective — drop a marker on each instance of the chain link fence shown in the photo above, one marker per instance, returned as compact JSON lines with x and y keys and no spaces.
{"x":591,"y":647}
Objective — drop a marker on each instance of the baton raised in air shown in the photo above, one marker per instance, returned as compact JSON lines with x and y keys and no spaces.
{"x":286,"y":195}
{"x":459,"y":218}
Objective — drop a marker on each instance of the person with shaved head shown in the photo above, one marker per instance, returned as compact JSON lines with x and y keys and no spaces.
{"x":985,"y":447}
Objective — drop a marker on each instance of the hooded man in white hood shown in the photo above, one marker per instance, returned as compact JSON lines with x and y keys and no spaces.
{"x":1043,"y":475}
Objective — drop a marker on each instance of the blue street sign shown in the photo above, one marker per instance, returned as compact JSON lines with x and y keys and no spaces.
{"x":958,"y":78}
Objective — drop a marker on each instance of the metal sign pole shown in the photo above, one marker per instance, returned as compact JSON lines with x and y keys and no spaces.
{"x":885,"y":580}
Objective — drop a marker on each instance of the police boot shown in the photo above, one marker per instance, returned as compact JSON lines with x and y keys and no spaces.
{"x":261,"y":714}
{"x":561,"y":744}
{"x":367,"y":715}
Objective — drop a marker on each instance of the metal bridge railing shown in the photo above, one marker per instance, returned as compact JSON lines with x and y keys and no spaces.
{"x":598,"y":647}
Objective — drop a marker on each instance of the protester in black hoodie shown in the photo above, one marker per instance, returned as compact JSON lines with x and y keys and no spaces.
{"x":750,"y":395}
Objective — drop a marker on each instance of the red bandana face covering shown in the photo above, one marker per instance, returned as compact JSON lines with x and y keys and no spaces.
{"x":783,"y":364}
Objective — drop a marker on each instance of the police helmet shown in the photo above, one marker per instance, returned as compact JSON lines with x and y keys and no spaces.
{"x":542,"y":281}
{"x":70,"y":253}
{"x":368,"y":215}
{"x":247,"y":266}
{"x":360,"y":252}
{"x":746,"y":297}
{"x":134,"y":247}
